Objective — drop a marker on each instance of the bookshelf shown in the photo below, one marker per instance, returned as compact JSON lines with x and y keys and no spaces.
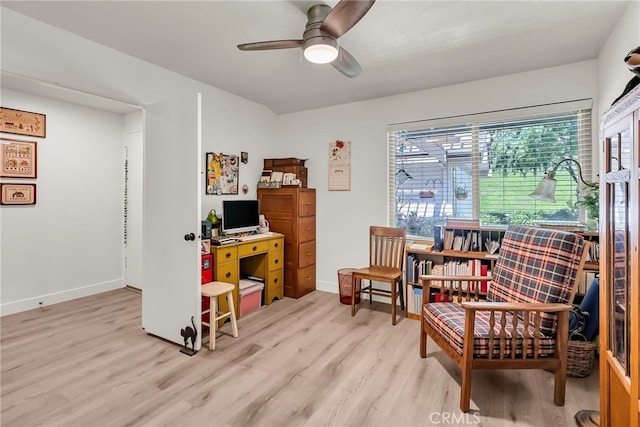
{"x":467,"y":250}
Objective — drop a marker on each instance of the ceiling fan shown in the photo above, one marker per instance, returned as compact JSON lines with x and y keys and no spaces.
{"x":320,"y":38}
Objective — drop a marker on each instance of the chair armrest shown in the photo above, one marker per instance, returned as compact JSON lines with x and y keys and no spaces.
{"x":515,"y":306}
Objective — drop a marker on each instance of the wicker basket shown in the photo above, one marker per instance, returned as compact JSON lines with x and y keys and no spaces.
{"x":580,"y":358}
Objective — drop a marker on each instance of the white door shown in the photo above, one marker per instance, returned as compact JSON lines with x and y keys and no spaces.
{"x":171,"y":212}
{"x":133,"y":246}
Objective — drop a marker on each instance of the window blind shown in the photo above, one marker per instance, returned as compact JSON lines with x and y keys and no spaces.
{"x":484,"y":166}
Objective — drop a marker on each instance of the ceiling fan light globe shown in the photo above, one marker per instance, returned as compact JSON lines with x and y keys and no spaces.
{"x":320,"y":53}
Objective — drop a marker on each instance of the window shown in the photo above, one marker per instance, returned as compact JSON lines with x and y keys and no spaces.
{"x":484,"y":167}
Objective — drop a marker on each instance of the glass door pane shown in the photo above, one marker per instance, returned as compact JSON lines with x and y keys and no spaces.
{"x":619,"y":259}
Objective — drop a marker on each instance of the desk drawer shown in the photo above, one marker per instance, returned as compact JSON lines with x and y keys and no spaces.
{"x":306,"y":280}
{"x":274,"y":279}
{"x":251,"y":248}
{"x":306,"y":229}
{"x":306,"y":202}
{"x":227,"y":272}
{"x":276,"y":244}
{"x":225,"y":254}
{"x":275,"y":260}
{"x":306,"y":254}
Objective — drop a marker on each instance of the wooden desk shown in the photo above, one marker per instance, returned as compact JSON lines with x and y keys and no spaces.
{"x":260,"y":257}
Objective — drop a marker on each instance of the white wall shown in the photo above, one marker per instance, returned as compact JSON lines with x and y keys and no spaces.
{"x":57,"y":234}
{"x":613,"y":73}
{"x":70,"y":243}
{"x":230,"y":124}
{"x":343,"y":218}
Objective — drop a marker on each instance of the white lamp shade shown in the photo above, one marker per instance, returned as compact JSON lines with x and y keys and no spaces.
{"x":320,"y":53}
{"x":545,"y":191}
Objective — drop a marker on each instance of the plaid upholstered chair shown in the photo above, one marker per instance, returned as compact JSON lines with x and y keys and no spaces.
{"x":524,"y":322}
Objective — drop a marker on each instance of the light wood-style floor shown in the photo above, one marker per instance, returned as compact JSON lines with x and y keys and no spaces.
{"x":303,"y":362}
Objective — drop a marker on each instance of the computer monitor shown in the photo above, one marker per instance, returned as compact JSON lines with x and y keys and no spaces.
{"x":240,"y":216}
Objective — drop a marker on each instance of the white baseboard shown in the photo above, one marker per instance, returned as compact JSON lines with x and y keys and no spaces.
{"x":57,"y":297}
{"x":331,"y":287}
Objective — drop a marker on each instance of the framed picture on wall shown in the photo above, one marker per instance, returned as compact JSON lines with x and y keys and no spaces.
{"x":17,"y":194}
{"x":22,"y":122}
{"x":222,"y":173}
{"x":18,"y":159}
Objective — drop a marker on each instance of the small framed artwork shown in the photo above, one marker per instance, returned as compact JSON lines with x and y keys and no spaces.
{"x":222,"y":173}
{"x":22,"y":122}
{"x":18,"y":159}
{"x":17,"y":194}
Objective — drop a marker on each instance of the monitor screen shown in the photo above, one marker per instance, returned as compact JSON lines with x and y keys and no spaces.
{"x":240,"y":216}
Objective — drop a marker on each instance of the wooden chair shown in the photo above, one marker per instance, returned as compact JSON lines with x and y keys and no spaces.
{"x":386,"y":255}
{"x":524,"y":322}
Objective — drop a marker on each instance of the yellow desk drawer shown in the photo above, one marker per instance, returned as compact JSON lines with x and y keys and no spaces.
{"x":274,"y":286}
{"x":276,"y":260}
{"x":276,"y":244}
{"x":250,"y":248}
{"x":225,"y":254}
{"x":227,"y":272}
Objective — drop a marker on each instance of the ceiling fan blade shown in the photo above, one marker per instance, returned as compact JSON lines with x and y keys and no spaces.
{"x":345,"y":15}
{"x":346,"y":64}
{"x":273,"y":44}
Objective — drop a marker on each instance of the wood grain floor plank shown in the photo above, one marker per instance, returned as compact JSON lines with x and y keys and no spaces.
{"x":304,"y":362}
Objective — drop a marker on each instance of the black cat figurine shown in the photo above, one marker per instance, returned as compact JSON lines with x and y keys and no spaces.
{"x":189,"y":332}
{"x":633,"y":62}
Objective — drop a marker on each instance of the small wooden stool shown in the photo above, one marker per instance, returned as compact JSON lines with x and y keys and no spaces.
{"x":213,"y":290}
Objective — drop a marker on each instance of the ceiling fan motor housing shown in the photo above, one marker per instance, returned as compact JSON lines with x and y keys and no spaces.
{"x":320,"y":38}
{"x":318,"y":46}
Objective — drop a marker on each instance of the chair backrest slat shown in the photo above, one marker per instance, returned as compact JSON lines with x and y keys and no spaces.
{"x":386,"y":246}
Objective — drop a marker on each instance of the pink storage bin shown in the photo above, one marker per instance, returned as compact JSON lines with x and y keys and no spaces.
{"x":250,"y":296}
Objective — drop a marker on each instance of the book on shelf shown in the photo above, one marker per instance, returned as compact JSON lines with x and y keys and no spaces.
{"x":472,"y":267}
{"x":426,"y":247}
{"x":410,"y":298}
{"x":457,"y":243}
{"x":417,"y":300}
{"x":440,"y":297}
{"x":475,"y":239}
{"x":492,"y":246}
{"x":416,"y":268}
{"x":437,"y":238}
{"x":585,"y":281}
{"x":594,"y":252}
{"x":466,"y":247}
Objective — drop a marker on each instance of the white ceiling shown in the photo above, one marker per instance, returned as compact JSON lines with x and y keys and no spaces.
{"x":403,"y":46}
